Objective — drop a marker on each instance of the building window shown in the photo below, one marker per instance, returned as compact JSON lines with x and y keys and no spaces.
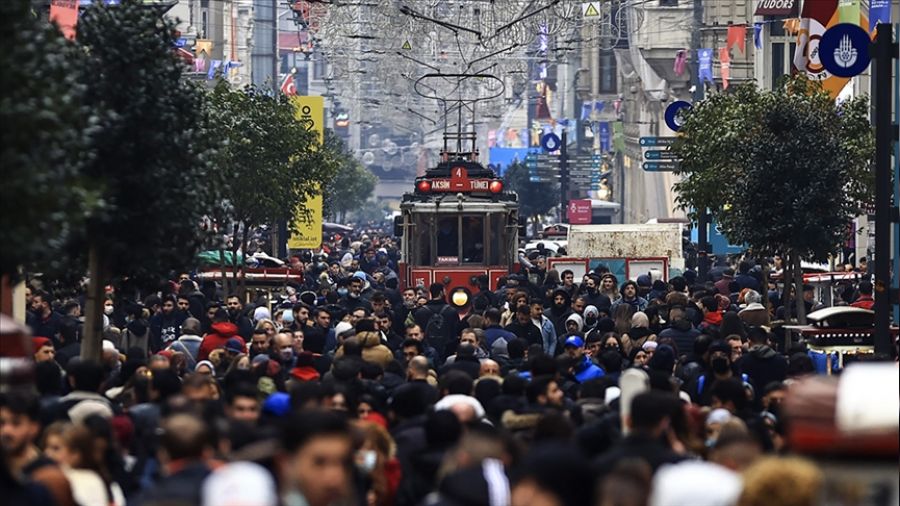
{"x":204,"y":23}
{"x":607,"y":72}
{"x":668,"y":3}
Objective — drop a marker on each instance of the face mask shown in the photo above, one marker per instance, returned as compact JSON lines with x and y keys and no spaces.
{"x":108,"y":310}
{"x":590,"y":322}
{"x":719,"y":365}
{"x":370,"y":458}
{"x":342,"y":292}
{"x":286,"y":354}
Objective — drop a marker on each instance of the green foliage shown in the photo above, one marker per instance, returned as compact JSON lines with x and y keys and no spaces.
{"x":782,"y":170}
{"x":534,"y":198}
{"x":270,"y":161}
{"x":352,"y":184}
{"x":42,"y":144}
{"x":152,"y":147}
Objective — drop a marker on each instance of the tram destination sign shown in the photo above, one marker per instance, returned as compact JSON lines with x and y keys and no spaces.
{"x":460,"y":185}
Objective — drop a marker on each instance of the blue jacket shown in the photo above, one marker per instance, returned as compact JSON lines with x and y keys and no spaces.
{"x":494,"y":331}
{"x":587,"y":370}
{"x":548,"y":333}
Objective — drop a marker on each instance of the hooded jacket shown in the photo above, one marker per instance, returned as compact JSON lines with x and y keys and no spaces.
{"x":754,"y":315}
{"x":575,"y":317}
{"x":587,"y":370}
{"x":220,"y":332}
{"x":372,"y":349}
{"x":763,"y":365}
{"x":559,"y":315}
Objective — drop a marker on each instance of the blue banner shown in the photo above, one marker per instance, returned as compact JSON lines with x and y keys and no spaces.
{"x":604,"y":136}
{"x":757,"y":35}
{"x":879,"y":12}
{"x":704,"y":70}
{"x":213,"y":66}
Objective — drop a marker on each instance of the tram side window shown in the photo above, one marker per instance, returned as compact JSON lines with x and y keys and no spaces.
{"x":447,"y":239}
{"x":473,"y":239}
{"x":498,"y":239}
{"x":424,"y":232}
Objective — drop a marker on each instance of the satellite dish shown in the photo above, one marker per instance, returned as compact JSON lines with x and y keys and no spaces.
{"x":368,"y":158}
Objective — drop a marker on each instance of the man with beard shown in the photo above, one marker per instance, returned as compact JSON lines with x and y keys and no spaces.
{"x":354,"y":299}
{"x":559,"y":310}
{"x":524,"y":328}
{"x":237,"y":317}
{"x":164,"y":326}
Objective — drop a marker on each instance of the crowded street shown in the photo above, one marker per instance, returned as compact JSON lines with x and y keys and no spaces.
{"x":321,"y":276}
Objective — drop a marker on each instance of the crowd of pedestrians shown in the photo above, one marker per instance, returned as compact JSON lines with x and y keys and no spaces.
{"x":348,"y":388}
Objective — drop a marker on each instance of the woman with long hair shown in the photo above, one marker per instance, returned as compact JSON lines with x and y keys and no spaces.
{"x":84,"y":464}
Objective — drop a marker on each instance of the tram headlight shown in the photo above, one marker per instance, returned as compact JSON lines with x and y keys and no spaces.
{"x":496,"y":186}
{"x":459,"y":297}
{"x":424,"y":186}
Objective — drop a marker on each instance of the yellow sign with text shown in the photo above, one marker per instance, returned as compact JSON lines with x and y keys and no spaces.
{"x":310,"y":112}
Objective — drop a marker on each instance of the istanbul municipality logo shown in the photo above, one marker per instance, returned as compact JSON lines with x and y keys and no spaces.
{"x":845,"y":54}
{"x":844,"y":50}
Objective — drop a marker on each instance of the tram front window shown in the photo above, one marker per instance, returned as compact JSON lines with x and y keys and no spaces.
{"x":472,"y":239}
{"x":448,"y":239}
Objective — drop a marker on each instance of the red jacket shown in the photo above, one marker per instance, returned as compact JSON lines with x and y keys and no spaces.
{"x":864,"y":301}
{"x":221,"y":333}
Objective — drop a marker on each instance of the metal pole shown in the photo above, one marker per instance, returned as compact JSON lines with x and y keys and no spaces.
{"x":881,"y":83}
{"x":703,"y":218}
{"x":563,"y":176}
{"x":896,"y":279}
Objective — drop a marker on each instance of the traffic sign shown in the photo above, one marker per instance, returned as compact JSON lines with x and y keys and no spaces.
{"x":844,"y":50}
{"x":660,"y":166}
{"x":590,"y":9}
{"x":660,"y":155}
{"x":673,"y":111}
{"x":656,"y":142}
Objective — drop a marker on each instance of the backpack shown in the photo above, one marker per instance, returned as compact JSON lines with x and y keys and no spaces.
{"x":436,"y":328}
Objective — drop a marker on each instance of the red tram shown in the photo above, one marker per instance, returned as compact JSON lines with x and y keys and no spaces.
{"x":457,"y":224}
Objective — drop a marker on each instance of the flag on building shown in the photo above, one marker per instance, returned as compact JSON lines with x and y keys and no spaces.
{"x":680,"y":62}
{"x":879,"y":12}
{"x":704,"y":69}
{"x":65,"y":14}
{"x":288,"y":86}
{"x":815,"y":18}
{"x":725,"y":63}
{"x":737,"y":35}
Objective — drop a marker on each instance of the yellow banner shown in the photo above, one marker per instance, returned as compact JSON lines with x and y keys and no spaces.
{"x":310,"y":112}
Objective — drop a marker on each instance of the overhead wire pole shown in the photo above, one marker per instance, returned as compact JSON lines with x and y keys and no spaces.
{"x":702,"y":214}
{"x":884,"y":51}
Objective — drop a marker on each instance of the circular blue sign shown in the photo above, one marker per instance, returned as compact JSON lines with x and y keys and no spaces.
{"x":550,"y":142}
{"x":672,"y":119}
{"x":844,"y":50}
